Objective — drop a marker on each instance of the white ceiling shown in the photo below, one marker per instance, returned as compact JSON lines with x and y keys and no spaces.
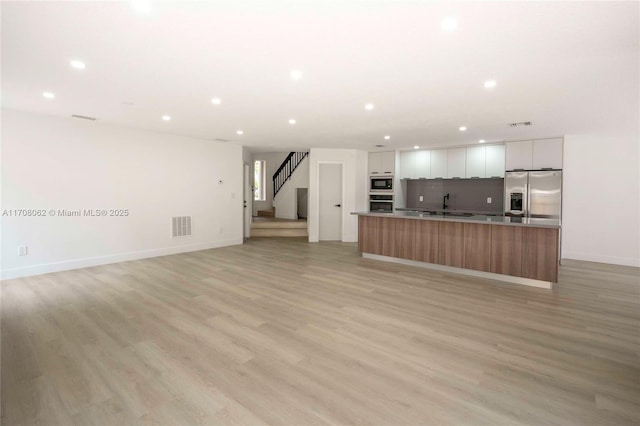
{"x":569,"y":67}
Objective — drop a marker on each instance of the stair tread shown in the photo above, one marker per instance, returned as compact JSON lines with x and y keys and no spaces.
{"x":279,"y":225}
{"x":279,"y":232}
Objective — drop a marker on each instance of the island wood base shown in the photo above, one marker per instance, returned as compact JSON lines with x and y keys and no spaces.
{"x":469,"y":272}
{"x":517,"y":254}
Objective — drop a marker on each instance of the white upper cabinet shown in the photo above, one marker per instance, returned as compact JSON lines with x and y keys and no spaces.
{"x":456,"y":163}
{"x":382,"y":163}
{"x":494,"y":155}
{"x":439,"y":163}
{"x":423,"y":164}
{"x":547,"y":153}
{"x":534,"y":155}
{"x":476,"y":162}
{"x":519,"y":155}
{"x":388,"y":162}
{"x":407,"y":165}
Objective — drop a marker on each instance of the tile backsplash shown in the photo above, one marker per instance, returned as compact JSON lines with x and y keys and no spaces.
{"x":464,"y":194}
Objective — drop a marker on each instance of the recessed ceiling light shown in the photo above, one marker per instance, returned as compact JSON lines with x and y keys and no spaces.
{"x":77,"y":64}
{"x":489,"y":84}
{"x":166,"y":117}
{"x":449,"y":24}
{"x":240,"y":132}
{"x":141,"y":6}
{"x":481,"y":141}
{"x":296,"y":74}
{"x":48,"y":95}
{"x":463,"y":128}
{"x":368,"y":107}
{"x":387,"y":137}
{"x":216,"y":101}
{"x":416,"y":147}
{"x":292,"y":121}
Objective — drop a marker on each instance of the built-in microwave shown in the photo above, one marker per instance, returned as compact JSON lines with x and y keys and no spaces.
{"x":381,"y":184}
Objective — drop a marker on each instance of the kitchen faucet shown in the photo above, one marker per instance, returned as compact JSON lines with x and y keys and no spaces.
{"x":444,"y":201}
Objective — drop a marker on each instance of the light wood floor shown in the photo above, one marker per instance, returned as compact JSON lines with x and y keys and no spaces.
{"x":283,"y":332}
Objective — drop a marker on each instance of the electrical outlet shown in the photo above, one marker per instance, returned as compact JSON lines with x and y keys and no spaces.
{"x":421,"y":198}
{"x":23,"y":250}
{"x":220,"y":230}
{"x":488,"y":200}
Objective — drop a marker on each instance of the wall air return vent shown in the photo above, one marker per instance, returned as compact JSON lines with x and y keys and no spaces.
{"x":521,"y":124}
{"x":180,"y":226}
{"x":84,"y":117}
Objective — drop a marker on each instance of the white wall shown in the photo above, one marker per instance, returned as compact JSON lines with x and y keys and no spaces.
{"x":272,"y":160}
{"x":285,"y":201}
{"x":362,"y":183}
{"x":354,"y":174}
{"x":601,"y":198}
{"x":65,"y":163}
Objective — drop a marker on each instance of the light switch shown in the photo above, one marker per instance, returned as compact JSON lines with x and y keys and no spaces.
{"x":421,"y":198}
{"x":488,"y":200}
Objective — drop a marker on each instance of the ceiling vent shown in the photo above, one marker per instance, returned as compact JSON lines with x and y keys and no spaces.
{"x":180,"y":226}
{"x":84,"y":117}
{"x":221,"y":140}
{"x":379,"y":146}
{"x":521,"y":124}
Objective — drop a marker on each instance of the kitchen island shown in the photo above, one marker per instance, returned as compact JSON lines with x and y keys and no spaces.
{"x":517,"y":250}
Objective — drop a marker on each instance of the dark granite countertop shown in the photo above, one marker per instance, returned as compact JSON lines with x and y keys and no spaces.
{"x":457,"y":216}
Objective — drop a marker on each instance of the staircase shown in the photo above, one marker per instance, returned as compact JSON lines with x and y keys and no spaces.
{"x":284,"y":172}
{"x":266,"y":224}
{"x":278,"y":228}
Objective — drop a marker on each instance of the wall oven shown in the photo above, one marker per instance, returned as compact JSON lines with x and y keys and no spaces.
{"x":381,"y":203}
{"x":381,"y":184}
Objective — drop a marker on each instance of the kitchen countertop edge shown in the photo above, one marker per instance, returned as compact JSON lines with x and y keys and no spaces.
{"x":478,"y":219}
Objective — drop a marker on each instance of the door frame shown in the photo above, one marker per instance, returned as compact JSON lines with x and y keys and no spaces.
{"x":342,"y":201}
{"x":247,"y":212}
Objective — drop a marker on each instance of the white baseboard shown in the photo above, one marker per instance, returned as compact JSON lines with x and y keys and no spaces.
{"x":66,"y":265}
{"x":589,"y":257}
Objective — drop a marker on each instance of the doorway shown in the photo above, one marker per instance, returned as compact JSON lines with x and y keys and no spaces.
{"x":248,"y":201}
{"x":302,"y":200}
{"x":330,"y":202}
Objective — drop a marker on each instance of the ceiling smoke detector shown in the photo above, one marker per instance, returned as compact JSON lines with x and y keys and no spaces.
{"x":84,"y":117}
{"x":521,"y":124}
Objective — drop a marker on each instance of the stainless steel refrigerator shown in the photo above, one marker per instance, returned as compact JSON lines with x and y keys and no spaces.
{"x":533,"y":194}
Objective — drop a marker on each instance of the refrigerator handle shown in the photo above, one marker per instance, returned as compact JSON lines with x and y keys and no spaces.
{"x":527,"y":213}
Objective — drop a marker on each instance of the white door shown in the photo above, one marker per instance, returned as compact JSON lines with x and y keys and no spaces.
{"x":330,"y":202}
{"x":248,"y":200}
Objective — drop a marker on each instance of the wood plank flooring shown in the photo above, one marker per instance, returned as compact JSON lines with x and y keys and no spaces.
{"x":283,"y":332}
